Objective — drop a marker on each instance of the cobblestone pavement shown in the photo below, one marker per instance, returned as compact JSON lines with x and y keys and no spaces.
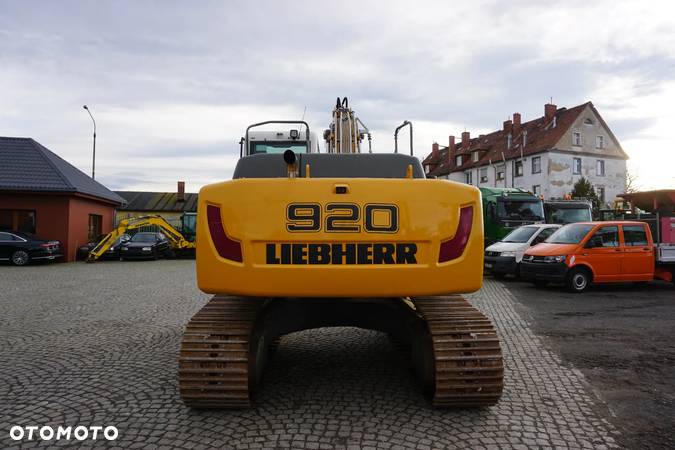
{"x":96,"y":344}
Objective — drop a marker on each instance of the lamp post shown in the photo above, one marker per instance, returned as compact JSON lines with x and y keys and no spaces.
{"x":93,"y":159}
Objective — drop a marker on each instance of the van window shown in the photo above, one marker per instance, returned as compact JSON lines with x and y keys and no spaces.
{"x":634,"y":235}
{"x":609,"y":236}
{"x":570,"y":234}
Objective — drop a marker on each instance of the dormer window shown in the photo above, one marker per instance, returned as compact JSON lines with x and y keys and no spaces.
{"x":458,"y":160}
{"x":475,"y":156}
{"x":576,"y":139}
{"x":509,"y":141}
{"x":524,"y":138}
{"x":427,"y":169}
{"x":588,"y":121}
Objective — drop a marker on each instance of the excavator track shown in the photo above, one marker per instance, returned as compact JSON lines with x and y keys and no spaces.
{"x":215,"y":366}
{"x":467,"y":359}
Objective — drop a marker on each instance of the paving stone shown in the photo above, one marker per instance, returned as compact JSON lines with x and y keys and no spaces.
{"x":96,"y":344}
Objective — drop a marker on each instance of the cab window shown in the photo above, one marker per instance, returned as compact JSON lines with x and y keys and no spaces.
{"x":634,"y":235}
{"x":545,"y":233}
{"x":605,"y":237}
{"x":277,"y":147}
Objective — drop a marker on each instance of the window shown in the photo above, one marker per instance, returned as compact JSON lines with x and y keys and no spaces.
{"x":588,"y":121}
{"x":458,"y":160}
{"x":634,"y":235}
{"x":519,"y":168}
{"x":5,"y":237}
{"x":606,"y":237}
{"x":95,"y":226}
{"x":469,"y":177}
{"x":500,"y":173}
{"x":536,"y":189}
{"x":536,"y":164}
{"x":17,"y":219}
{"x":524,"y":138}
{"x":600,"y":190}
{"x":483,"y":175}
{"x":545,"y":233}
{"x":576,"y":139}
{"x":600,"y":168}
{"x":475,"y":156}
{"x":599,"y":142}
{"x":576,"y":166}
{"x":509,"y":141}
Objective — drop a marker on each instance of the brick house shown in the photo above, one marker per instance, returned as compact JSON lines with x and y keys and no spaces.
{"x":546,"y":155}
{"x":43,"y":194}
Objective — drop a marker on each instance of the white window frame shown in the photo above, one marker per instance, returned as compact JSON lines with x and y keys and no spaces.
{"x":600,"y":164}
{"x":536,"y":189}
{"x":468,"y":177}
{"x":483,"y":179}
{"x":599,"y":142}
{"x":509,"y":141}
{"x":475,"y":157}
{"x":538,"y":159}
{"x":574,"y":166}
{"x":576,"y":138}
{"x":458,"y":160}
{"x":500,"y":170}
{"x":600,"y":189}
{"x":522,"y":168}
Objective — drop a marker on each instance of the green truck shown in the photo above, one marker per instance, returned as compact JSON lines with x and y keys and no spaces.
{"x":507,"y":208}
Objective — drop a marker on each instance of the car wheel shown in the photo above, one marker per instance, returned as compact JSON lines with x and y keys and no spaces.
{"x":540,"y":283}
{"x":20,"y":258}
{"x":578,"y":280}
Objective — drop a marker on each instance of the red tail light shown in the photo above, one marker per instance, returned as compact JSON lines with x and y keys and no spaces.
{"x":227,"y":248}
{"x":453,"y":248}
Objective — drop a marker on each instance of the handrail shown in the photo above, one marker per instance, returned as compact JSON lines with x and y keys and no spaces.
{"x":405,"y":122}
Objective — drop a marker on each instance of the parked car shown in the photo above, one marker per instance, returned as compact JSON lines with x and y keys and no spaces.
{"x":503,"y":257}
{"x":582,"y":253}
{"x":146,"y":245}
{"x":112,"y":253}
{"x":20,"y":248}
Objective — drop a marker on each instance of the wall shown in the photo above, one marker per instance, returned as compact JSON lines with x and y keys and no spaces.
{"x":78,"y":222}
{"x":51,"y":212}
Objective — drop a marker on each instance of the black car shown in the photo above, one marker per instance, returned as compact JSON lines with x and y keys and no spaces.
{"x":146,"y":246}
{"x":20,"y":248}
{"x":112,"y":253}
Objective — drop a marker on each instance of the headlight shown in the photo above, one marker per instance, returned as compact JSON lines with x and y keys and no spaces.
{"x":528,"y":257}
{"x":111,"y":249}
{"x":509,"y":254}
{"x":146,"y":249}
{"x":555,"y":259}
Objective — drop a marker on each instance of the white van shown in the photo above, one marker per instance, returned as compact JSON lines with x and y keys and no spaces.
{"x":503,"y":257}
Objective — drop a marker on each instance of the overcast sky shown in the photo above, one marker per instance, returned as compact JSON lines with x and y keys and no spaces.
{"x":173,"y":85}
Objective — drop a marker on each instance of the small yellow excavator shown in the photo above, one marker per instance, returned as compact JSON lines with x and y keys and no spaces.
{"x":178,"y":242}
{"x":300,"y":239}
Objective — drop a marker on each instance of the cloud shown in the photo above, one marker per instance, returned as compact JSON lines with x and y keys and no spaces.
{"x":173,"y":85}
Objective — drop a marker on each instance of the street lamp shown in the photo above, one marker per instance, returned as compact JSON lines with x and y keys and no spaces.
{"x":93,"y":160}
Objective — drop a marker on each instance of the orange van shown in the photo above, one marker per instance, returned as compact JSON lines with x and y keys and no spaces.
{"x":582,"y":253}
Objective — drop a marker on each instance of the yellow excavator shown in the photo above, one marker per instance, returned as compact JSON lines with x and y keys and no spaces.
{"x":178,"y":242}
{"x":300,"y":239}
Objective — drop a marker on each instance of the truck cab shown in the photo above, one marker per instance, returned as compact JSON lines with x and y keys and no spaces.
{"x":505,"y":209}
{"x":567,"y":211}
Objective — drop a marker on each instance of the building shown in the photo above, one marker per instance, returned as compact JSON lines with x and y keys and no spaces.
{"x":546,"y":155}
{"x":43,"y":194}
{"x":170,"y":205}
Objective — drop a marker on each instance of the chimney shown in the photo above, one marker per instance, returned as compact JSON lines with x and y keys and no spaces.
{"x":180,"y":194}
{"x":434,"y":151}
{"x":508,"y":125}
{"x":549,"y":111}
{"x":466,"y":140}
{"x":516,"y":123}
{"x":451,"y":148}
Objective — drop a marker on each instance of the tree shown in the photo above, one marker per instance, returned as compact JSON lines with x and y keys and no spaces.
{"x":631,"y":182}
{"x":583,"y":189}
